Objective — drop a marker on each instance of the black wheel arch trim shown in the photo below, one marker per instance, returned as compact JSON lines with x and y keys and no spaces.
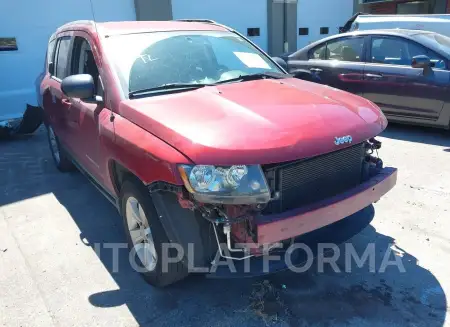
{"x":183,"y":226}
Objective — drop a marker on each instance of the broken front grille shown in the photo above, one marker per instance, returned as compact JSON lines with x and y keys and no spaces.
{"x":306,"y":181}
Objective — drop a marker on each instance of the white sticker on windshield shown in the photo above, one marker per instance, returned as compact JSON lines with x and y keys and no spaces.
{"x":252,"y":60}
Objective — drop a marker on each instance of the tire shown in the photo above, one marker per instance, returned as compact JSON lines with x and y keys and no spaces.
{"x":60,"y":157}
{"x":132,"y":190}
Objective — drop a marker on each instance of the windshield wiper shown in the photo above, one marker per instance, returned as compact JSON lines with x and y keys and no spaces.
{"x":252,"y":77}
{"x":166,"y":87}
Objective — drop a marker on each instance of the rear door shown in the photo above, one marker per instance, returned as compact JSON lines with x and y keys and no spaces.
{"x":57,"y":105}
{"x":337,"y":62}
{"x":397,"y":88}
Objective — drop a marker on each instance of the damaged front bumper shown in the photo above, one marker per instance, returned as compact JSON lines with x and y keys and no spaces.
{"x":333,"y":220}
{"x":300,"y":221}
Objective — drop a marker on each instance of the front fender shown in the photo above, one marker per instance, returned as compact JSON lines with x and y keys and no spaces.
{"x":146,"y":156}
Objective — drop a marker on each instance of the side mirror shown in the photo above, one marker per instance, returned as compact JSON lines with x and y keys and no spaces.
{"x":78,"y":86}
{"x":421,"y":61}
{"x":281,"y":62}
{"x":306,"y":75}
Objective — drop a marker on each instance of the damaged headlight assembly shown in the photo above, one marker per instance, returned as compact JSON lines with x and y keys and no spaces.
{"x":238,"y":184}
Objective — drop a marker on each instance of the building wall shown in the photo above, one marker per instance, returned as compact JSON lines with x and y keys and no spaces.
{"x":31,"y":23}
{"x":282,"y":26}
{"x":238,"y":14}
{"x":314,"y":14}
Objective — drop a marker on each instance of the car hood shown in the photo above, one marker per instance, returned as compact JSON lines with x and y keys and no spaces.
{"x":256,"y":122}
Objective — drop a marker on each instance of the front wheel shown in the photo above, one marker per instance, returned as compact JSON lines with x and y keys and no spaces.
{"x":146,"y":236}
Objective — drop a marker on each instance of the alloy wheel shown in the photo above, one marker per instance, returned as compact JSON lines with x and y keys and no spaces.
{"x":140,"y":234}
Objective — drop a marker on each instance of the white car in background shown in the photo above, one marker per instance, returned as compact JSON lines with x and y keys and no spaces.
{"x":434,"y":23}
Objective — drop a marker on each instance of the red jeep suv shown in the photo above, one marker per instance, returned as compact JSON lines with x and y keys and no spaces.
{"x":200,"y":139}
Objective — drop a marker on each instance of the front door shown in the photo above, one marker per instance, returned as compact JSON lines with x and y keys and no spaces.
{"x":399,"y":89}
{"x":86,"y":113}
{"x":337,"y":63}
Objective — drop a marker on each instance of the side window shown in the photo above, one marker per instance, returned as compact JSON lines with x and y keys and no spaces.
{"x":349,"y":49}
{"x":50,"y":53}
{"x":318,"y":52}
{"x":84,"y":63}
{"x":396,"y":51}
{"x":390,"y":51}
{"x":62,"y":57}
{"x":415,"y":49}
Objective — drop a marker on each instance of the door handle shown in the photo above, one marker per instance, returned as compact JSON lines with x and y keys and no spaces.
{"x":373,"y":76}
{"x":316,"y":70}
{"x":66,"y":102}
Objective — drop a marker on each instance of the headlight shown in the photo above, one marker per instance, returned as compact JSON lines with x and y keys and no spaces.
{"x":235,"y":184}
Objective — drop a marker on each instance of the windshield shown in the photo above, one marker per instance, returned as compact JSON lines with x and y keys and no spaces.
{"x":150,"y":60}
{"x":438,"y":40}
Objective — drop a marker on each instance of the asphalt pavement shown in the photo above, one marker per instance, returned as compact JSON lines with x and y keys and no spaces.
{"x":51,"y":274}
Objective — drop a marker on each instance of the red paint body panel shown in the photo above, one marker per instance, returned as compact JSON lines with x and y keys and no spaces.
{"x":303,"y":220}
{"x":256,"y":122}
{"x":148,"y":157}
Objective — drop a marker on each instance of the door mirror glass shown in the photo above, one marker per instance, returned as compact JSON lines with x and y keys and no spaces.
{"x":421,"y":61}
{"x":78,"y":86}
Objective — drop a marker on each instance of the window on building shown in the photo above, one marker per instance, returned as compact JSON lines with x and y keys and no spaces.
{"x":396,"y":51}
{"x":253,"y":31}
{"x":324,"y":30}
{"x":8,"y":44}
{"x":62,"y":57}
{"x":83,"y":61}
{"x":303,"y":31}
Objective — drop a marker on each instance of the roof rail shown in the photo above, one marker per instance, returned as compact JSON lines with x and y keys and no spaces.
{"x":76,"y":22}
{"x":207,"y":21}
{"x":192,"y":20}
